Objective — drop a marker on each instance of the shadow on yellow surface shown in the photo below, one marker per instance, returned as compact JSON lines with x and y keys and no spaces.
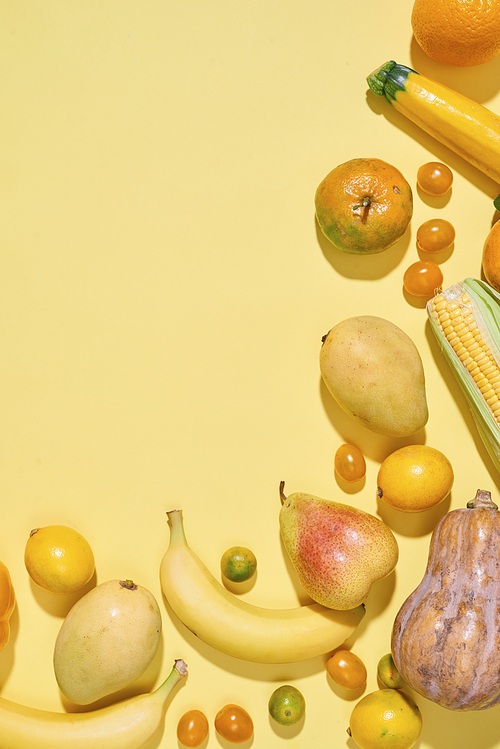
{"x":368,"y":267}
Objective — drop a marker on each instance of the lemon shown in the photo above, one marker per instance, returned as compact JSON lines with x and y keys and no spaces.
{"x":58,"y":559}
{"x":388,"y":674}
{"x":385,"y":719}
{"x":287,"y":705}
{"x":238,"y":564}
{"x":415,"y":478}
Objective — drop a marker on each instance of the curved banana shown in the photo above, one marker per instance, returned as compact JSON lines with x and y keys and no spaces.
{"x":129,"y":724}
{"x":241,"y":629}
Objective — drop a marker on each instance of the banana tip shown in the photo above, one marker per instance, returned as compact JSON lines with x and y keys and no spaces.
{"x":181,"y":666}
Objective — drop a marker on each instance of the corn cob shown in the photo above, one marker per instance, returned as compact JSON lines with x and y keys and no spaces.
{"x":466,"y":322}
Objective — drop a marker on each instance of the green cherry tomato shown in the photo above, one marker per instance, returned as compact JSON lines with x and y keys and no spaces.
{"x":388,"y":674}
{"x":287,"y":705}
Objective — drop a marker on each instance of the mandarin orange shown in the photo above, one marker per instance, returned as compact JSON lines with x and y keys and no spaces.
{"x":457,"y":32}
{"x":364,"y":206}
{"x":491,"y":257}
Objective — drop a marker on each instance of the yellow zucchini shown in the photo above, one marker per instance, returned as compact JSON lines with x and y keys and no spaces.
{"x":467,"y":128}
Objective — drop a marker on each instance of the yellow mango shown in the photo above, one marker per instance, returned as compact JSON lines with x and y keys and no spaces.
{"x":374,"y":372}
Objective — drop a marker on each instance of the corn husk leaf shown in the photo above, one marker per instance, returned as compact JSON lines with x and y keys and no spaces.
{"x":485,"y":303}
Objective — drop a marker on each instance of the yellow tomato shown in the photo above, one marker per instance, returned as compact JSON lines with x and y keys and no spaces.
{"x":435,"y":178}
{"x":350,"y":463}
{"x":7,"y":603}
{"x":347,"y":669}
{"x":234,"y":724}
{"x":192,"y":728}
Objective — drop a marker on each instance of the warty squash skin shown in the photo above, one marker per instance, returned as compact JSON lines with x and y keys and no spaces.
{"x":445,"y":638}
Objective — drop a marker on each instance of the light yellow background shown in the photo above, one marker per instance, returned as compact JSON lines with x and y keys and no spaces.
{"x":164,"y":291}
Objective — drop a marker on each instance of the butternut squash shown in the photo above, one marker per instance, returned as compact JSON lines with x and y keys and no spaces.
{"x":467,"y":128}
{"x":445,"y":635}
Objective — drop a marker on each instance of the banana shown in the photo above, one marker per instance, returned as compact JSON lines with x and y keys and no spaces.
{"x":129,"y":724}
{"x":238,"y":628}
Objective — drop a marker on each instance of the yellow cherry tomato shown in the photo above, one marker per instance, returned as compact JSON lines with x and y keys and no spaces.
{"x":346,"y":669}
{"x":435,"y":235}
{"x":234,"y":724}
{"x":7,"y":604}
{"x":434,"y":178}
{"x":349,"y":463}
{"x":423,"y":278}
{"x":192,"y":728}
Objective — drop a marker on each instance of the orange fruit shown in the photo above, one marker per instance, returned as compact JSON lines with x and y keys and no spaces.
{"x":415,"y":478}
{"x":59,"y":559}
{"x":364,"y":206}
{"x":491,"y":257}
{"x":385,"y":719}
{"x":457,"y":32}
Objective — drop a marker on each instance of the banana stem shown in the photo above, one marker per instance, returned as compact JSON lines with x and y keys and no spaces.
{"x":176,"y":527}
{"x":178,"y":673}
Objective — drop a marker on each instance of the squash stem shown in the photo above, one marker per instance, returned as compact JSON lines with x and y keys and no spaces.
{"x":482,"y":499}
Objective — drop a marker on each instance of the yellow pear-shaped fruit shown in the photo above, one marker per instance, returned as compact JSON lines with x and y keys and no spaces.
{"x":338,"y":551}
{"x":108,"y":639}
{"x":374,"y":371}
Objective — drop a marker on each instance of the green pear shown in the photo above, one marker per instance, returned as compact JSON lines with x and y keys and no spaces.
{"x":337,"y":551}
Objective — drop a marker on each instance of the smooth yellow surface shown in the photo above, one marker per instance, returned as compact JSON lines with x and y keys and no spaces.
{"x":164,"y":292}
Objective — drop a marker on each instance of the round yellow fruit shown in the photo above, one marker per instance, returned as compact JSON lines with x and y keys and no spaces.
{"x":364,"y":206}
{"x":491,"y":257}
{"x":385,"y":719}
{"x":59,"y":559}
{"x":415,"y":478}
